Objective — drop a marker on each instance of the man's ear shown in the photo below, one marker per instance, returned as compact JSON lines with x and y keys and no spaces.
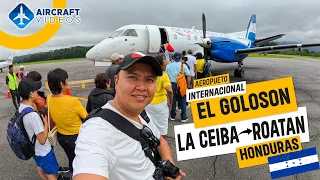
{"x":108,"y":84}
{"x":116,"y":79}
{"x":30,"y":95}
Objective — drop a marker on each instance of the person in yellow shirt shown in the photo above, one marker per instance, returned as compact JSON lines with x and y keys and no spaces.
{"x":200,"y":65}
{"x":66,"y":111}
{"x":160,"y":106}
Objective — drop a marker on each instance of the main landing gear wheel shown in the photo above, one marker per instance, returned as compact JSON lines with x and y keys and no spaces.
{"x":239,"y":72}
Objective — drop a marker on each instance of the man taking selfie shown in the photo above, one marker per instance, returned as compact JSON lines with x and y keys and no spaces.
{"x":105,"y":151}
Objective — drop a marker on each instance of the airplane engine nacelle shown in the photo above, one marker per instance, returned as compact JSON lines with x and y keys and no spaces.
{"x":206,"y":43}
{"x":223,"y":50}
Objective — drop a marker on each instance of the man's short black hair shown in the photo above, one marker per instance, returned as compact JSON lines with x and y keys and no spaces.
{"x":55,"y":77}
{"x":34,"y":75}
{"x":10,"y":66}
{"x":199,"y":55}
{"x":101,"y":80}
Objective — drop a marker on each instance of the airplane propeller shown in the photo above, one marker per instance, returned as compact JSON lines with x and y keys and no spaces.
{"x":206,"y":41}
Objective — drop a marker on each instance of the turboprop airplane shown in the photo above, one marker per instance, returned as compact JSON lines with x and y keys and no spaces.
{"x":219,"y":47}
{"x":6,"y":63}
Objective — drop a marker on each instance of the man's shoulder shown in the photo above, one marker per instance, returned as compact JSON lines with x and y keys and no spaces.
{"x":114,"y":66}
{"x":96,"y":120}
{"x":31,"y":117}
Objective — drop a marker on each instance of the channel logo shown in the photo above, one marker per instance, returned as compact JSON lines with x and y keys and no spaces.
{"x":21,"y":16}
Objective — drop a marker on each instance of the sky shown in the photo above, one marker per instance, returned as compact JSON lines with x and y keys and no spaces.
{"x":299,"y":20}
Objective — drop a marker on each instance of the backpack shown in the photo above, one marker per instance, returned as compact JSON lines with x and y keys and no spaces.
{"x":181,"y":83}
{"x":17,"y":136}
{"x":206,"y":68}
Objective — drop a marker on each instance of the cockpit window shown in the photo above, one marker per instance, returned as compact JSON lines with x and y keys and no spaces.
{"x":116,"y":34}
{"x":130,"y":32}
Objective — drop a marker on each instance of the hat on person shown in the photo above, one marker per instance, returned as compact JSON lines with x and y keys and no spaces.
{"x":189,"y":51}
{"x":135,"y":57}
{"x":27,"y":85}
{"x":116,"y":56}
{"x":177,"y":56}
{"x":22,"y":66}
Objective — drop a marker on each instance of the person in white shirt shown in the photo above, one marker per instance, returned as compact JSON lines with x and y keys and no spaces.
{"x":192,"y":62}
{"x":104,"y":152}
{"x":45,"y":158}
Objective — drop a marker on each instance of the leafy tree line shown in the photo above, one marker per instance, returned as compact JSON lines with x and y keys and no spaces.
{"x":65,"y":53}
{"x":80,"y":52}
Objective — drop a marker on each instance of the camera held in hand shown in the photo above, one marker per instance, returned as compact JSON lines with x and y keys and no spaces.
{"x":165,"y":169}
{"x":43,"y":111}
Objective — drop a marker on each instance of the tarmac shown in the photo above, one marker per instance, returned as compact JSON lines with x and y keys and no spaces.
{"x":224,"y":167}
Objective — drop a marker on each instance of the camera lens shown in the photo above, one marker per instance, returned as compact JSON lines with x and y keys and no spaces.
{"x":173,"y":172}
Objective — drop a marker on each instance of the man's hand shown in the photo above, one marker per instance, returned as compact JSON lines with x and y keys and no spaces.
{"x":44,"y":119}
{"x":170,"y":106}
{"x":181,"y":175}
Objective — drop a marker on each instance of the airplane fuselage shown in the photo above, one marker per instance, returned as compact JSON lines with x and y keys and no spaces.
{"x":148,"y":39}
{"x":3,"y":65}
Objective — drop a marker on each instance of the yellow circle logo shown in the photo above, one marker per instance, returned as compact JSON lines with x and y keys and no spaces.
{"x":36,"y":39}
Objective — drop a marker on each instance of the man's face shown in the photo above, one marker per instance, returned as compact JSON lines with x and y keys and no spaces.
{"x":135,"y":87}
{"x":119,"y":60}
{"x":11,"y":69}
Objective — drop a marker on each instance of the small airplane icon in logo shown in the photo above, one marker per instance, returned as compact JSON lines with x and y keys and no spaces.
{"x":21,"y":16}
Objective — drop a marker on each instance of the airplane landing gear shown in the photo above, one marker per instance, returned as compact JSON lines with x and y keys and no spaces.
{"x":1,"y":70}
{"x":239,"y":72}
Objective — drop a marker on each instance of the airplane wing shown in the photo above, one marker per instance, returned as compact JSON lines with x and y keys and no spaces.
{"x":16,"y":17}
{"x":268,"y":39}
{"x":273,"y":48}
{"x":25,"y":17}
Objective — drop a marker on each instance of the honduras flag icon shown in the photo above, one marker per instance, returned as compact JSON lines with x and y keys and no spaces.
{"x":293,"y":163}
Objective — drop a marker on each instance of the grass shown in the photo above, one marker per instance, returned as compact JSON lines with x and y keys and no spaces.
{"x":270,"y":56}
{"x":50,"y":61}
{"x":281,"y":56}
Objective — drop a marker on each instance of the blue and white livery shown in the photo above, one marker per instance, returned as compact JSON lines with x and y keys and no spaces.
{"x":219,"y":47}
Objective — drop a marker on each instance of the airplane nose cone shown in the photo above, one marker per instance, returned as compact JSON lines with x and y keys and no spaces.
{"x":91,"y":54}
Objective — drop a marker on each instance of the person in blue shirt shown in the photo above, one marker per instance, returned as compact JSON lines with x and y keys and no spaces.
{"x":173,"y":70}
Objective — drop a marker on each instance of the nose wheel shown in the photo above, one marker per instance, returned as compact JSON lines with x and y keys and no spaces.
{"x":239,"y":72}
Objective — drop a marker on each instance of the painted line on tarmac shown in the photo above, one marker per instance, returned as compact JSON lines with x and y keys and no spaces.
{"x":81,"y":82}
{"x":81,"y":98}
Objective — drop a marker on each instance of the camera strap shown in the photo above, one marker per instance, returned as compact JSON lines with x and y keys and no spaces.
{"x":126,"y":127}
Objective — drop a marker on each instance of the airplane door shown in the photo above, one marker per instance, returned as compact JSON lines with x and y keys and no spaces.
{"x":154,"y":39}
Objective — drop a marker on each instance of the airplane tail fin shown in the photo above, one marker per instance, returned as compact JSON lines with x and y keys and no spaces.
{"x":251,"y":29}
{"x":10,"y":59}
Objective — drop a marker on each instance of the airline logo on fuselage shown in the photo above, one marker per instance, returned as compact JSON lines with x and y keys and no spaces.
{"x":188,"y":32}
